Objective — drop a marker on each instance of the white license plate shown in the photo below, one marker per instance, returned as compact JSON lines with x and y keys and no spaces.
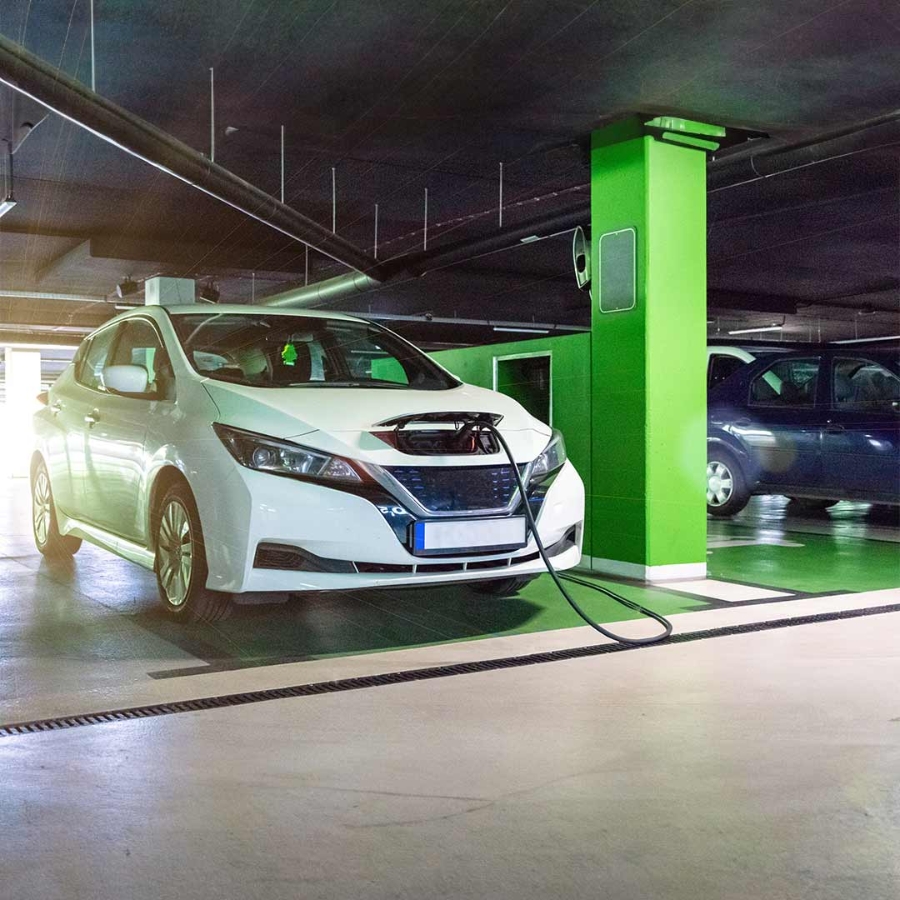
{"x":468,"y":534}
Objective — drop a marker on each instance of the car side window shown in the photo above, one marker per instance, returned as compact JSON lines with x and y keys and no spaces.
{"x":78,"y":358}
{"x":140,"y":345}
{"x":862,"y":385}
{"x":789,"y":383}
{"x":90,"y":372}
{"x":721,"y":366}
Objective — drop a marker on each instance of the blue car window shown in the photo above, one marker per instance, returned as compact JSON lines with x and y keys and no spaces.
{"x":721,"y":367}
{"x":788,"y":383}
{"x":862,"y":385}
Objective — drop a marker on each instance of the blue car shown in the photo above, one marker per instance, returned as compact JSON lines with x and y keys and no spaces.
{"x":818,"y":427}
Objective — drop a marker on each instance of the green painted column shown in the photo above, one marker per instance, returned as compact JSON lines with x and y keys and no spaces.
{"x":648,"y":351}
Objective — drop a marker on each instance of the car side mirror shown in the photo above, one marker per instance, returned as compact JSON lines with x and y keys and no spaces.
{"x":43,"y":398}
{"x":129,"y":380}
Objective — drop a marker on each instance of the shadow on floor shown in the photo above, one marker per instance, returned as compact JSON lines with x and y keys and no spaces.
{"x":321,"y":625}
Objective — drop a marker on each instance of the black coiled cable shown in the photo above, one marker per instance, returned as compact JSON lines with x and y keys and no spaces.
{"x":558,"y":579}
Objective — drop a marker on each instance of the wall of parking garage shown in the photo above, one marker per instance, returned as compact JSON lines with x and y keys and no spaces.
{"x":570,"y":386}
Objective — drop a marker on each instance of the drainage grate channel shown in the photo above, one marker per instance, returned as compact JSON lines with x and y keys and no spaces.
{"x":370,"y":681}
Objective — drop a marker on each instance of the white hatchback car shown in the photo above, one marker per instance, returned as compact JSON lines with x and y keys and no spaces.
{"x":242,"y":453}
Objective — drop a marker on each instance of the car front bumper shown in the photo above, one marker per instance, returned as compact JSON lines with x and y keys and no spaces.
{"x":345,"y":531}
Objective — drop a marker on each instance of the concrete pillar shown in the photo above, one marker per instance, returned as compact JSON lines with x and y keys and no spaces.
{"x":648,"y":356}
{"x":23,"y":384}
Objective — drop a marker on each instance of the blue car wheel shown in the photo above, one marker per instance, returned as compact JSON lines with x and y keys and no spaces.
{"x":726,"y":487}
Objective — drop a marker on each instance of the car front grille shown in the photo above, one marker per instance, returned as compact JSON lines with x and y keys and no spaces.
{"x":458,"y":488}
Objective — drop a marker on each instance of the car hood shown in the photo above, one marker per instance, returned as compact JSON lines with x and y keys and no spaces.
{"x":340,"y":420}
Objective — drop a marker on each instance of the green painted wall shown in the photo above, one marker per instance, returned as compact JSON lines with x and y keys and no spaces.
{"x":648,"y":385}
{"x":571,"y":381}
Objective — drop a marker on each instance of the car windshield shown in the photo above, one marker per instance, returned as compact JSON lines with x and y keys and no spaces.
{"x":274,"y":351}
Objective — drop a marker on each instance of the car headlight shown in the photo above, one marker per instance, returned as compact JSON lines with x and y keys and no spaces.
{"x":265,"y":454}
{"x":551,"y":459}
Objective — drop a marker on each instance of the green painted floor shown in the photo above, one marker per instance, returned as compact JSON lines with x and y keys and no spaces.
{"x":824,"y":563}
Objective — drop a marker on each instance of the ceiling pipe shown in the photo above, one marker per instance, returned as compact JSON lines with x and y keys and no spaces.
{"x":724,"y":172}
{"x":339,"y":288}
{"x":26,"y":73}
{"x":527,"y":232}
{"x":746,"y":167}
{"x":345,"y":286}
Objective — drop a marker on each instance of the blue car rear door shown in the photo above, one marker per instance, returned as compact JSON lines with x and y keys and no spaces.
{"x":861,"y":440}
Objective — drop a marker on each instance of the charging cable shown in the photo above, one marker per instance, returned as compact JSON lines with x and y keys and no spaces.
{"x":558,"y":579}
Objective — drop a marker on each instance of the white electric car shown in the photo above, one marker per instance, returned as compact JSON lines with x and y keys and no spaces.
{"x":243,"y":452}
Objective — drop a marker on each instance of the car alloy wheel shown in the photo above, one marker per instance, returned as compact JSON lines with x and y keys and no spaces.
{"x":175,"y":553}
{"x":719,"y":483}
{"x":42,"y":508}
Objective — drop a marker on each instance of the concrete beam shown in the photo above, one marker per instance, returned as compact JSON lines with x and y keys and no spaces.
{"x":57,"y":266}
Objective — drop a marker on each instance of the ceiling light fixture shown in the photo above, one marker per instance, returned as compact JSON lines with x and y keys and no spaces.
{"x":9,"y":203}
{"x":523,"y":330}
{"x":866,"y":340}
{"x":757,"y":330}
{"x":44,"y":295}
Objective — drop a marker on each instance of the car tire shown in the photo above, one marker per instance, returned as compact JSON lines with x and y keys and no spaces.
{"x":811,"y":505}
{"x":502,"y":587}
{"x":47,"y":538}
{"x":180,"y":566}
{"x":726,"y":487}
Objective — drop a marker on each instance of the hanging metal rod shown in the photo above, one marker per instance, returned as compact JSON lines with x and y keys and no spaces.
{"x":27,"y":74}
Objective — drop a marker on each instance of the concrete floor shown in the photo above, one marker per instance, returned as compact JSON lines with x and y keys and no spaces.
{"x":759,"y":765}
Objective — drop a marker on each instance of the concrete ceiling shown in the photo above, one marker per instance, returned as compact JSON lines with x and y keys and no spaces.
{"x":402,"y":96}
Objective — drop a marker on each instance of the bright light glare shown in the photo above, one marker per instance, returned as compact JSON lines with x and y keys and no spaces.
{"x":22,"y":384}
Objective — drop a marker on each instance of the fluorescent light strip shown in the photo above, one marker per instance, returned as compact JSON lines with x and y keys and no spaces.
{"x":44,"y":295}
{"x":523,"y":330}
{"x":19,"y":345}
{"x":757,"y":330}
{"x":886,"y":337}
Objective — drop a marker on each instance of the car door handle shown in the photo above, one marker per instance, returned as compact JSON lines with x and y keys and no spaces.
{"x":56,"y":407}
{"x":92,"y":418}
{"x":834,"y":428}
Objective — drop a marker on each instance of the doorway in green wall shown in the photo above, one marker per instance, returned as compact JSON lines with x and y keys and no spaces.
{"x":526,"y":378}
